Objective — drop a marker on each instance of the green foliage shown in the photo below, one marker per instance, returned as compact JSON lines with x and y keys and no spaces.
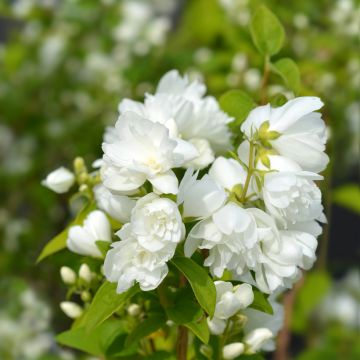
{"x":200,"y":282}
{"x":95,"y":342}
{"x":316,"y":285}
{"x":348,"y":196}
{"x":261,"y":302}
{"x":103,"y":246}
{"x":105,"y":303}
{"x":238,"y":104}
{"x":58,"y":243}
{"x":289,"y":72}
{"x":267,"y":32}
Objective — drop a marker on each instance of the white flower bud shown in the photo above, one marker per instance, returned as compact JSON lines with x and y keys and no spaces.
{"x":85,"y":273}
{"x":68,"y":275}
{"x":60,"y":180}
{"x":71,"y":309}
{"x":256,"y":339}
{"x":134,"y":309}
{"x":233,"y":350}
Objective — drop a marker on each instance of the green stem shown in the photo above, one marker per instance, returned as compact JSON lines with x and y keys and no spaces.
{"x":223,"y":340}
{"x":266,"y":72}
{"x":249,"y":174}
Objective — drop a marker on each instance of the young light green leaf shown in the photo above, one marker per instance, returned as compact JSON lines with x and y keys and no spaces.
{"x":106,"y":302}
{"x":145,"y":328}
{"x":202,"y":285}
{"x":237,"y":104}
{"x":289,"y":72}
{"x":266,"y":31}
{"x":94,"y":342}
{"x":58,"y":243}
{"x":103,"y":246}
{"x":261,"y":303}
{"x":348,"y":196}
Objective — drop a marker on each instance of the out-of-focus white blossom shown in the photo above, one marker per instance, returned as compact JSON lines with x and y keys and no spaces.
{"x":255,"y":339}
{"x":233,"y":350}
{"x":71,"y":309}
{"x":60,"y":180}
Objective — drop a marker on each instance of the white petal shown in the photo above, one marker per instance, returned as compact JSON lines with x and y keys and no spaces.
{"x":165,"y":183}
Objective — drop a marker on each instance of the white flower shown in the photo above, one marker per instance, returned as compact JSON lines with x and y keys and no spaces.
{"x":206,"y":156}
{"x":128,"y":262}
{"x":200,"y":198}
{"x":68,"y":275}
{"x":156,"y":222}
{"x":256,"y":339}
{"x":85,"y":273}
{"x":82,"y":239}
{"x":229,"y":301}
{"x":302,"y":131}
{"x":227,"y":173}
{"x":59,"y":180}
{"x":180,"y":105}
{"x":228,"y":235}
{"x":259,"y":319}
{"x":71,"y":309}
{"x":292,"y":196}
{"x":143,"y":151}
{"x":233,"y":350}
{"x":117,"y":206}
{"x":134,"y":309}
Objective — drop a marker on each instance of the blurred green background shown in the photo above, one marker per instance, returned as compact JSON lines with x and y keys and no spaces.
{"x":64,"y":67}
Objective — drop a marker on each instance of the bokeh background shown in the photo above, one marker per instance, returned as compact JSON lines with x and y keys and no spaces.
{"x":64,"y":67}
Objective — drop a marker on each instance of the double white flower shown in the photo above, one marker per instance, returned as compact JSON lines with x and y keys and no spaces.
{"x":148,"y":241}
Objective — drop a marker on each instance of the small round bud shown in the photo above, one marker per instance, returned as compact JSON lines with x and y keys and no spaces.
{"x":79,"y":164}
{"x":83,"y":188}
{"x":85,"y":273}
{"x":232,"y":351}
{"x":85,"y":296}
{"x":68,"y":275}
{"x":134,"y":309}
{"x":71,"y":309}
{"x":169,"y":323}
{"x":255,"y":339}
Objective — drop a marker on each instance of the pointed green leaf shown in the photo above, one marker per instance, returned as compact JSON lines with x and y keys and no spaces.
{"x":261,"y":302}
{"x":289,"y":72}
{"x":266,"y":31}
{"x":106,"y":302}
{"x":103,"y":246}
{"x":201,"y":283}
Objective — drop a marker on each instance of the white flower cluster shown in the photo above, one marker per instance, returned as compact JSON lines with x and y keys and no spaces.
{"x":255,"y":215}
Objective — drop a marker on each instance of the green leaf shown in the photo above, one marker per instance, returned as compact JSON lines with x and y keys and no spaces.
{"x":261,"y":302}
{"x":200,"y":282}
{"x":266,"y":31}
{"x":200,"y":329}
{"x":59,"y":242}
{"x":289,"y":72}
{"x":94,"y":342}
{"x":106,"y":302}
{"x":278,"y":100}
{"x":316,"y":286}
{"x":103,"y":246}
{"x":145,"y":328}
{"x":237,"y":104}
{"x":348,"y":196}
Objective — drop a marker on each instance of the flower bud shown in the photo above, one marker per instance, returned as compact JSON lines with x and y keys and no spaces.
{"x":134,"y":309}
{"x":233,"y":350}
{"x":60,"y":180}
{"x":207,"y":351}
{"x":85,"y":296}
{"x":85,"y":273}
{"x":256,"y":338}
{"x":68,"y":275}
{"x":71,"y":309}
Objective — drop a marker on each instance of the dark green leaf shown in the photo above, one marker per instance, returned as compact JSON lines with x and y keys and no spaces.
{"x":261,"y":303}
{"x":104,"y":304}
{"x":289,"y":72}
{"x":145,"y":328}
{"x":237,"y":104}
{"x":200,"y":282}
{"x":278,"y":100}
{"x":266,"y":31}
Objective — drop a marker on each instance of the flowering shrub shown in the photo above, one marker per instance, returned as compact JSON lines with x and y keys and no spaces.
{"x":199,"y":214}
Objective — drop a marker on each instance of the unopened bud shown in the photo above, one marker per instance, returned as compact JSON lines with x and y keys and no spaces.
{"x":134,"y":309}
{"x":79,"y":164}
{"x":207,"y":351}
{"x":83,"y":188}
{"x":233,"y":350}
{"x":71,"y":309}
{"x":85,"y":273}
{"x":85,"y":296}
{"x":68,"y":275}
{"x":255,"y":339}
